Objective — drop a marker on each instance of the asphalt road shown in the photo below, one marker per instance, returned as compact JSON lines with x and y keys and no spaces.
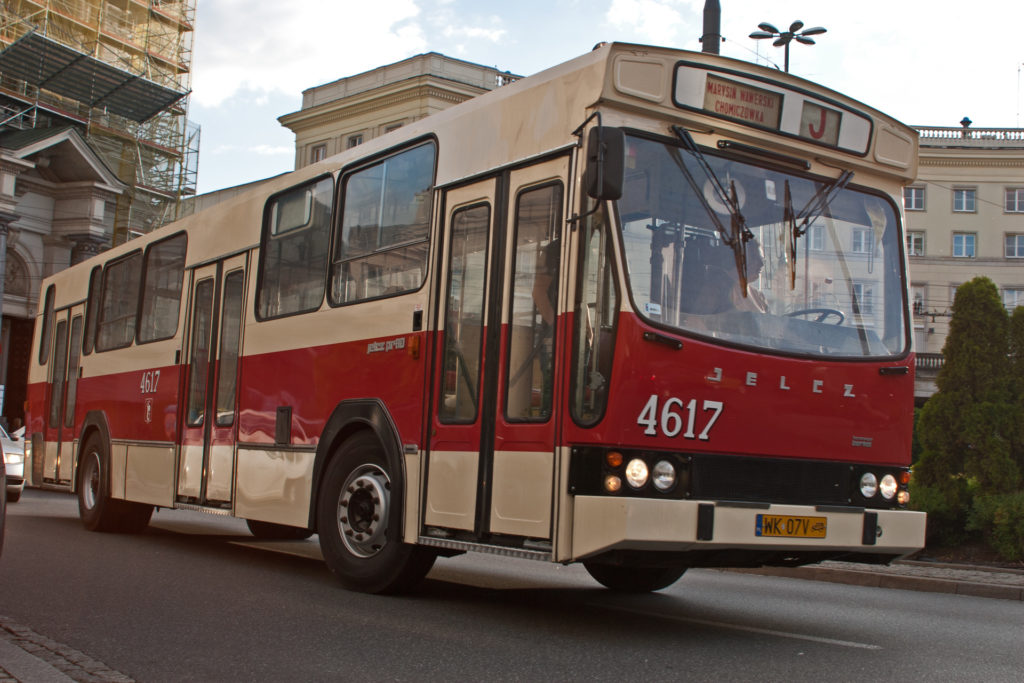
{"x":197,"y":598}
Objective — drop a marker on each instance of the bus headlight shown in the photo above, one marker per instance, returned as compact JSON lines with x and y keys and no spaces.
{"x":887,"y":487}
{"x":612,"y":484}
{"x":903,"y":497}
{"x":868,"y":485}
{"x":636,"y":473}
{"x":663,"y":475}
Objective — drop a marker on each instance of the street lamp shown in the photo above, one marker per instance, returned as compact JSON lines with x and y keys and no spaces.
{"x":783,"y":38}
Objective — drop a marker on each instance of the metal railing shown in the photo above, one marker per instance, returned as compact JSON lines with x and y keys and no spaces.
{"x":930,"y":362}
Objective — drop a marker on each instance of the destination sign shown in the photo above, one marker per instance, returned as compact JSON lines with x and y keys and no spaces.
{"x":772,"y":106}
{"x":742,"y":102}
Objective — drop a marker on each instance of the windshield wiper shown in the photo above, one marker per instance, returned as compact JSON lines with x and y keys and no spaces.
{"x":815,"y":206}
{"x":739,"y":234}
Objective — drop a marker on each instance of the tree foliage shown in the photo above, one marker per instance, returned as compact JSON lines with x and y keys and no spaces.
{"x":970,"y":431}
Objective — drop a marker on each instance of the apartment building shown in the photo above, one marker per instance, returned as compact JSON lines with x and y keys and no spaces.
{"x":965,"y":217}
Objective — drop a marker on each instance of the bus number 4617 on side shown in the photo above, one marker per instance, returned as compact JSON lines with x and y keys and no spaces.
{"x":675,"y":414}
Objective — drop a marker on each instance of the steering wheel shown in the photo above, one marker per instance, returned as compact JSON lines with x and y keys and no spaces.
{"x":823,"y":314}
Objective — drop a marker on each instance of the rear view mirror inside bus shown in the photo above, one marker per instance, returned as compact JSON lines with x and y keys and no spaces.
{"x":606,"y":162}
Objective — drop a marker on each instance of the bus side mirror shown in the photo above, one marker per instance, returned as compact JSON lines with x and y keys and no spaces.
{"x":606,"y":162}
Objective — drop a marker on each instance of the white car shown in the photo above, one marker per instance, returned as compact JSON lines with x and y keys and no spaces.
{"x":13,"y":446}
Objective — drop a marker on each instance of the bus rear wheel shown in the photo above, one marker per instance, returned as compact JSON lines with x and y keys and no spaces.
{"x":359,"y":519}
{"x":625,"y":579}
{"x":98,"y":511}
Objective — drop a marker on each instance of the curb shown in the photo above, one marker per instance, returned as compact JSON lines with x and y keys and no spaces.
{"x":882,"y":580}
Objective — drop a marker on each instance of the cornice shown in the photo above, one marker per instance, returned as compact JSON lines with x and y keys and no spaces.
{"x":338,"y":110}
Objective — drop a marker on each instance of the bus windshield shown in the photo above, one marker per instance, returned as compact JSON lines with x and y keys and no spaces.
{"x":821,"y":263}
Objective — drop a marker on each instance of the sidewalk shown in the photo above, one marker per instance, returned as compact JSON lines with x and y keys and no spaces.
{"x":960,"y":579}
{"x":28,"y":657}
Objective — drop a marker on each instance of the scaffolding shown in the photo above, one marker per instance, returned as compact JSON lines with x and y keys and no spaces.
{"x":120,"y":71}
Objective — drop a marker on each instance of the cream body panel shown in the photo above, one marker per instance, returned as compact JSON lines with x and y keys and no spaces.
{"x":149,"y":475}
{"x":222,"y":473}
{"x":66,"y":462}
{"x":118,"y":467}
{"x":451,"y":489}
{"x":190,"y":471}
{"x":413,"y":479}
{"x":50,"y":460}
{"x":521,"y":496}
{"x":274,"y":486}
{"x":607,"y":523}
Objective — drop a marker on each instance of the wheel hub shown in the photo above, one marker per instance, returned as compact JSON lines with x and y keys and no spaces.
{"x":363,"y":511}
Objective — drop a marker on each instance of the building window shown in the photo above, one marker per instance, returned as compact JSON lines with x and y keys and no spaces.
{"x":817,"y":237}
{"x":1013,"y":297}
{"x":913,"y":198}
{"x":317,"y":153}
{"x":1014,"y":246}
{"x":917,"y":297}
{"x":963,"y":201}
{"x":863,"y":298}
{"x":915,"y":243}
{"x":1015,"y":200}
{"x":354,"y":141}
{"x":393,"y":126}
{"x":862,"y":241}
{"x":963,"y":244}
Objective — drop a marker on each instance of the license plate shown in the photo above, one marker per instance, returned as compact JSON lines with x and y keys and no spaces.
{"x":788,"y":526}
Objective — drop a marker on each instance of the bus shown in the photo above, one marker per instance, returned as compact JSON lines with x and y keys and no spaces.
{"x":646,"y":310}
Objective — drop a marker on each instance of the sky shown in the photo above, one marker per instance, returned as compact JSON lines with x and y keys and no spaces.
{"x":925,"y":63}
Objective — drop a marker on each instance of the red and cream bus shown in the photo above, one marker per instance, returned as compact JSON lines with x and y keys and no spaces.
{"x":646,"y":310}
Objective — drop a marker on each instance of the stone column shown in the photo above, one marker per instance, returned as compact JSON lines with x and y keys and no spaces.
{"x":86,"y":246}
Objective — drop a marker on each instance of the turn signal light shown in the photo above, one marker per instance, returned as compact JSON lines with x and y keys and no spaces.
{"x":614,"y":459}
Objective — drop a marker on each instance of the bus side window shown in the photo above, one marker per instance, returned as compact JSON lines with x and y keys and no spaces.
{"x":382,"y":248}
{"x":44,"y":337}
{"x":293,"y":254}
{"x":597,"y":307}
{"x":122,"y":281}
{"x":161,"y":291}
{"x":92,"y":309}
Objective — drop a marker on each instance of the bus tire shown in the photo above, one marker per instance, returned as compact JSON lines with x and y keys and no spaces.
{"x":359,"y":519}
{"x":133,"y":517}
{"x":279,"y":532}
{"x":95,"y":507}
{"x":626,"y":579}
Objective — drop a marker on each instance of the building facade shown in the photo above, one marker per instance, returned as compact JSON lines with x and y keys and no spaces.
{"x":965,"y":217}
{"x":349,"y":111}
{"x":95,"y":145}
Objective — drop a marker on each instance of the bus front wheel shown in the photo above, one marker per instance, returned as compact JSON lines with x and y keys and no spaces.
{"x":359,"y":519}
{"x":626,"y":579}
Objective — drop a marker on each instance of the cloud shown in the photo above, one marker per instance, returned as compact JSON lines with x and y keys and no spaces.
{"x":269,"y":46}
{"x":494,"y":35}
{"x":654,"y":21}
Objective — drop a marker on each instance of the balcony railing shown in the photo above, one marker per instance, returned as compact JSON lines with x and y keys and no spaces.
{"x":971,"y":134}
{"x":930,"y":362}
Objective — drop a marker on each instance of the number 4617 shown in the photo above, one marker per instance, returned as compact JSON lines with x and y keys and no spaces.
{"x":676,"y":414}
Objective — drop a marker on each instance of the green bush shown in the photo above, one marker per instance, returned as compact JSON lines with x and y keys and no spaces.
{"x":947,"y":514}
{"x":1000,"y":519}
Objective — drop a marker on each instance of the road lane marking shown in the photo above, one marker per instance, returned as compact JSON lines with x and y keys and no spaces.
{"x":750,"y":629}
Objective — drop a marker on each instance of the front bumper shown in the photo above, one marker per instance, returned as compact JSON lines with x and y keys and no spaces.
{"x":705,"y":532}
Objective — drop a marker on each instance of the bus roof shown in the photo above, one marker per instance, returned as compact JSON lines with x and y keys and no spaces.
{"x":631,"y":84}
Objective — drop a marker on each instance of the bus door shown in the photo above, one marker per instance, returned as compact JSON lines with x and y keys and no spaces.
{"x":492,"y":465}
{"x":64,"y":374}
{"x":206,"y":459}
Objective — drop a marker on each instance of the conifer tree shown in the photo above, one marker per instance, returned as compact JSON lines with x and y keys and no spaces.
{"x":967,"y":430}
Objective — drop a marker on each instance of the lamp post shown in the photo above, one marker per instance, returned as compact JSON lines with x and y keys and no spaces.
{"x":783,"y":38}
